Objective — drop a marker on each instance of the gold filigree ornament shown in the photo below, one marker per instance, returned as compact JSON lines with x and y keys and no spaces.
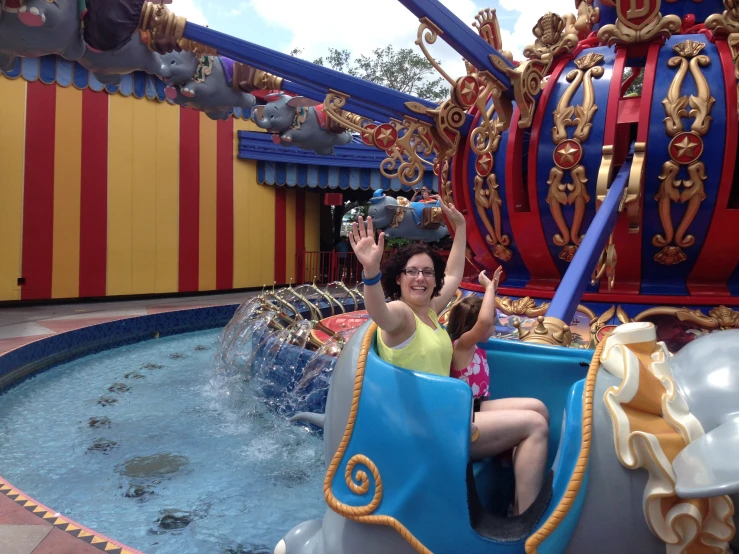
{"x":488,"y":198}
{"x":651,"y":425}
{"x":587,"y":16}
{"x":522,"y":307}
{"x":685,"y":150}
{"x":606,"y":265}
{"x":724,"y":24}
{"x":550,"y":331}
{"x":568,"y":153}
{"x":600,"y":326}
{"x":719,"y":318}
{"x":638,"y":22}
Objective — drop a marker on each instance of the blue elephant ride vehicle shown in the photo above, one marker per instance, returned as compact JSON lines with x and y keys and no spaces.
{"x":397,"y":446}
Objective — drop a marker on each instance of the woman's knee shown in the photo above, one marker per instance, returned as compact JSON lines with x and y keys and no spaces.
{"x":539,"y":407}
{"x":538,"y":425}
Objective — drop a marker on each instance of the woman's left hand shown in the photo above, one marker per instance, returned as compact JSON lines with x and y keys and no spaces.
{"x":452,"y":213}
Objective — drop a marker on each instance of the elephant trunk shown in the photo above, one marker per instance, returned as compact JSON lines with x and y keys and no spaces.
{"x":257,"y":116}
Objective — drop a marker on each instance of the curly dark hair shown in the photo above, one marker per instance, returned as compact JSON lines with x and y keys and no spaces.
{"x":391,"y":268}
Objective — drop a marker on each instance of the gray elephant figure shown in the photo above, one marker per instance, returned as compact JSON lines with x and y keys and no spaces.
{"x":36,"y":28}
{"x":298,"y":121}
{"x":635,"y":401}
{"x":410,"y":220}
{"x":114,"y":44}
{"x":204,"y":83}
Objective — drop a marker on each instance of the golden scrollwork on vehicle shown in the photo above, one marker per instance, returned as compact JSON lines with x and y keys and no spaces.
{"x":523,"y":307}
{"x":685,"y":151}
{"x":486,"y":23}
{"x":603,"y":322}
{"x":719,"y":318}
{"x":547,"y":330}
{"x":427,"y":33}
{"x":587,"y":16}
{"x":638,"y":24}
{"x":568,"y":153}
{"x":447,"y":193}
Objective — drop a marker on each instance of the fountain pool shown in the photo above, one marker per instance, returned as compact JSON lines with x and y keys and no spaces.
{"x":148,"y":444}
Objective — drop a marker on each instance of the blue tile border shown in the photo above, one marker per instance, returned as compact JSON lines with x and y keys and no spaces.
{"x":46,"y":353}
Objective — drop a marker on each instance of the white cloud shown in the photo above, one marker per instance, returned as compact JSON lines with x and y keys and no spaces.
{"x":359,"y":26}
{"x":190,"y":10}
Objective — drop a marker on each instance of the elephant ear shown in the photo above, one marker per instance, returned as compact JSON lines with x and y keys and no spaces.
{"x":273,"y":96}
{"x":302,"y":102}
{"x":708,"y":466}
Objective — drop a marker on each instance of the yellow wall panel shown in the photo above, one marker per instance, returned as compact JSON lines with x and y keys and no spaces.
{"x":12,"y":155}
{"x":263,"y":232}
{"x":143,"y":227}
{"x":121,"y":137}
{"x":67,"y":171}
{"x":312,"y":221}
{"x":167,"y":197}
{"x":245,"y":178}
{"x":208,"y":188}
{"x":290,"y":210}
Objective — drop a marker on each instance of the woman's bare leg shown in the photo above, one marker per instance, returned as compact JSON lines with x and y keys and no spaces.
{"x":528,"y":431}
{"x":533,"y":404}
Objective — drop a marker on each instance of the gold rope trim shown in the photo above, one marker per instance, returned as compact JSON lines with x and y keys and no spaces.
{"x":362,"y":513}
{"x":573,"y":487}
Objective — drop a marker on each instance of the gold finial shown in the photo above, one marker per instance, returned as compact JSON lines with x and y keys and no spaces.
{"x":548,"y":330}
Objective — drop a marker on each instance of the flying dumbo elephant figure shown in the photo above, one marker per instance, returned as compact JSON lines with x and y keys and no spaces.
{"x":298,"y":121}
{"x":36,"y":28}
{"x":204,"y":83}
{"x":410,"y":220}
{"x":114,"y":44}
{"x":636,"y":408}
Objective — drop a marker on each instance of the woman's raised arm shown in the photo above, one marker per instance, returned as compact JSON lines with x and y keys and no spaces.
{"x":455,"y":262}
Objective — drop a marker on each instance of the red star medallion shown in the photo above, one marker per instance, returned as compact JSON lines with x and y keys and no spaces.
{"x":468,"y":89}
{"x":686,"y":147}
{"x":385,"y":136}
{"x":367,"y":135}
{"x":567,"y":154}
{"x":484,"y":165}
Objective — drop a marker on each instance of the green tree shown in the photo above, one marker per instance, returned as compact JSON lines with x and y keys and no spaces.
{"x":635,"y":87}
{"x":403,"y":70}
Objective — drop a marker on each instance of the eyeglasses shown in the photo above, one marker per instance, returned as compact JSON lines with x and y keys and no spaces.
{"x":413,"y":272}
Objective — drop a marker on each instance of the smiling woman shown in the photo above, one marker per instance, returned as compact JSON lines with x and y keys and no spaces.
{"x":420,"y":284}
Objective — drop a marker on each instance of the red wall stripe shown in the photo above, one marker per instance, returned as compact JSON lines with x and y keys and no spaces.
{"x":280,"y":235}
{"x":94,"y":194}
{"x":189,"y":251}
{"x":720,"y":254}
{"x":225,"y":205}
{"x":299,"y":234}
{"x":38,"y":191}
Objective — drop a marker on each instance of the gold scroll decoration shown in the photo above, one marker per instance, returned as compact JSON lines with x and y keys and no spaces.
{"x":488,"y":198}
{"x":685,"y":150}
{"x":638,"y":22}
{"x":160,"y":23}
{"x":651,"y":425}
{"x":724,"y":24}
{"x":718,"y":319}
{"x":568,"y":153}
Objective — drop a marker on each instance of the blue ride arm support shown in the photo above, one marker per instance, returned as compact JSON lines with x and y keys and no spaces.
{"x":461,"y":37}
{"x":383,"y":100}
{"x":576,"y":278}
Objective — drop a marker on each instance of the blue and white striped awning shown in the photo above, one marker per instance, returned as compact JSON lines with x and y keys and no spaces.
{"x":332,"y":177}
{"x":54,"y":69}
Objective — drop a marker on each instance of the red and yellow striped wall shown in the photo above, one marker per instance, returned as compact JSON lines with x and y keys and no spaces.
{"x":106,"y":195}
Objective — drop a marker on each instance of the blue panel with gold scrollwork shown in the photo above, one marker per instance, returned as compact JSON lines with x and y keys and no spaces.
{"x":570,"y":146}
{"x":685,"y":154}
{"x":502,"y":247}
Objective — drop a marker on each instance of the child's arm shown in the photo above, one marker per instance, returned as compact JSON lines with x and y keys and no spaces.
{"x":464,"y":348}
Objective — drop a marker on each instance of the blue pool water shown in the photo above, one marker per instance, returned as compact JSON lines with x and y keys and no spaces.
{"x":149,"y":445}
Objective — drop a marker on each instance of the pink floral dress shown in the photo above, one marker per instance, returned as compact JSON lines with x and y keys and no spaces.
{"x":476,"y":375}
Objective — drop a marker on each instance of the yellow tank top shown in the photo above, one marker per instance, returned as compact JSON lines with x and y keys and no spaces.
{"x":428,"y":351}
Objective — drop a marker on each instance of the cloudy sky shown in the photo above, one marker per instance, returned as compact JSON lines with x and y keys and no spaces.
{"x":358,"y":25}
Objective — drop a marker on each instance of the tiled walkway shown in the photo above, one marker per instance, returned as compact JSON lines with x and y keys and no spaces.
{"x":25,"y":527}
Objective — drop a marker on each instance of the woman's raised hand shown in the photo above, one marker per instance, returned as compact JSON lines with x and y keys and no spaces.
{"x":369,"y":253}
{"x":452,"y":213}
